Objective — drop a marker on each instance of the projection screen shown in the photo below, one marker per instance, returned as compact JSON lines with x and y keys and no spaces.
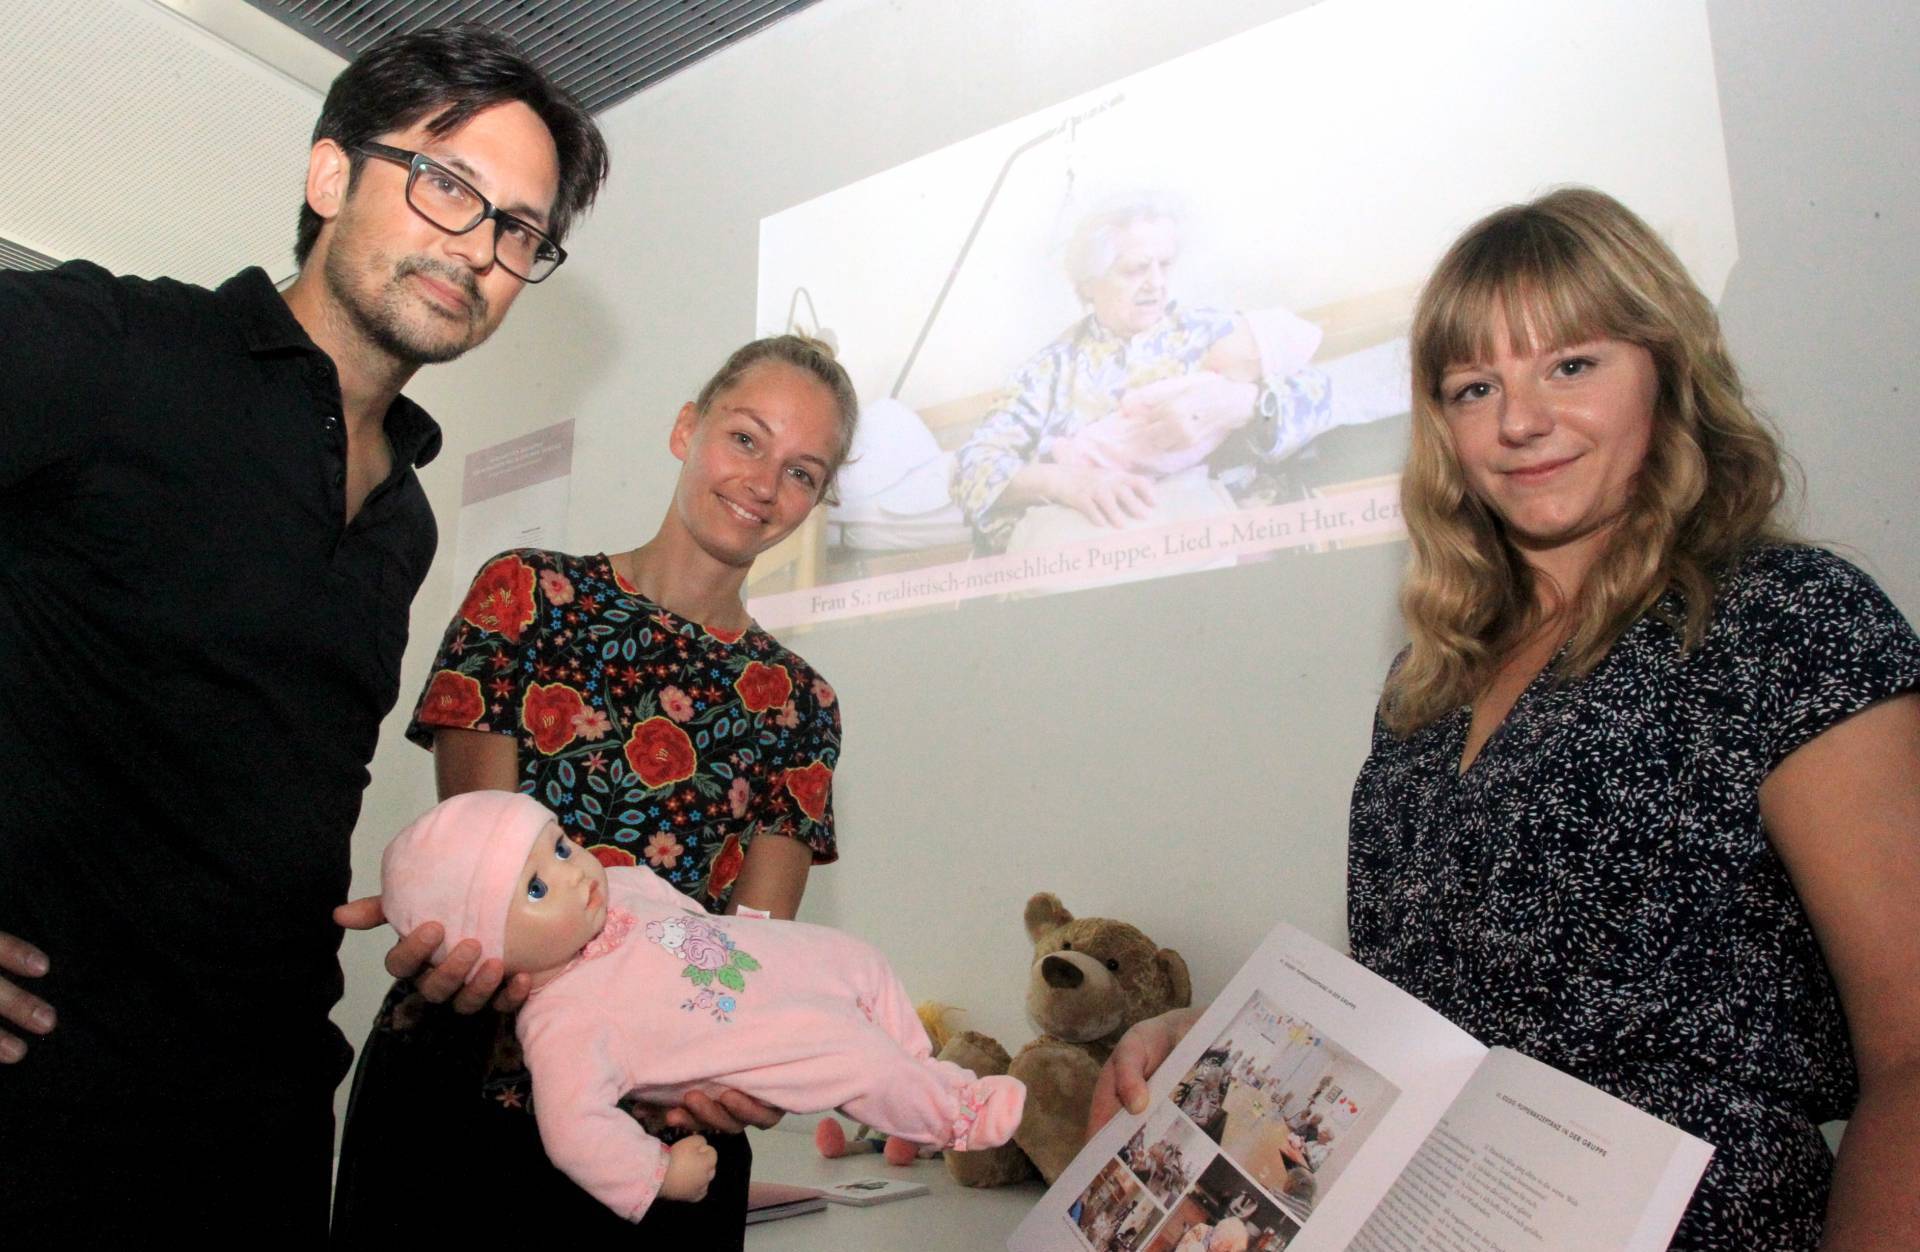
{"x":1160,"y":327}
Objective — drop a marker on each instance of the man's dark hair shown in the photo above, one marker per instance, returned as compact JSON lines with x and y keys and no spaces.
{"x":449,"y":74}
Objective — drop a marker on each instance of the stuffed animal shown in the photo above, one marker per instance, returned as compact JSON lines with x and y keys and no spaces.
{"x":1092,"y":978}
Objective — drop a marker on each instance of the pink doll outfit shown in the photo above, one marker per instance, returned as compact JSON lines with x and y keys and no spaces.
{"x":807,"y":1018}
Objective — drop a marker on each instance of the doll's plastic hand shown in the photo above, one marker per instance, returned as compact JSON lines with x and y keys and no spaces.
{"x":726,"y":1112}
{"x":690,"y":1167}
{"x":453,"y":979}
{"x":17,"y":1004}
{"x":1123,"y":1079}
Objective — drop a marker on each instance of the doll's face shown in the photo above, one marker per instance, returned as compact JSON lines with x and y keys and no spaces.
{"x":559,"y":903}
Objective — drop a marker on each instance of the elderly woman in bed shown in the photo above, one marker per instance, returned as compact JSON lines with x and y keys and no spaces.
{"x":1139,"y":389}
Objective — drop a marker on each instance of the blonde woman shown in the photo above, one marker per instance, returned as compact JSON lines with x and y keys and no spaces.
{"x":632,"y":694}
{"x":1644,"y":794}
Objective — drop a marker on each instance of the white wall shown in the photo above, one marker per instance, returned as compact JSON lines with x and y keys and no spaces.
{"x":1180,"y":754}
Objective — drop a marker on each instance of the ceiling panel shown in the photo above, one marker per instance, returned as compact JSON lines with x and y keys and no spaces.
{"x":170,"y":136}
{"x":15,"y":257}
{"x":600,"y":50}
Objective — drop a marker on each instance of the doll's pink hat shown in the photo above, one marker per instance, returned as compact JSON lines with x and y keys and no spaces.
{"x":457,"y":865}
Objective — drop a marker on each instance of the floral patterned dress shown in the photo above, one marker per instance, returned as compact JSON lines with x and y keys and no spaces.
{"x":654,"y":740}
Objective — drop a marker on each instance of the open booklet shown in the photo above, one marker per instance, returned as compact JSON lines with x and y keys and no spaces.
{"x":1322,"y":1108}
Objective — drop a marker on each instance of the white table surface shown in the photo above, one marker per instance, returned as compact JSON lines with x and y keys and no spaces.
{"x":949,"y":1218}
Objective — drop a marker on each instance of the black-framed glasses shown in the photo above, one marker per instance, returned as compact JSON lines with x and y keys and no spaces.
{"x":456,"y":206}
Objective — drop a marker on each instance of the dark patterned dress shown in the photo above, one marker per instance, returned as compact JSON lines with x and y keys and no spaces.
{"x":1597,"y":889}
{"x":655,"y":741}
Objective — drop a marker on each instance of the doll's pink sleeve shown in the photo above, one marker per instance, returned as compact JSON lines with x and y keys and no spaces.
{"x":578,"y":1078}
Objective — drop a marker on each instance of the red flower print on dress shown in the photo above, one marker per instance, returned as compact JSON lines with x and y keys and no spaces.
{"x":591,"y":724}
{"x":452,"y":699}
{"x":548,"y":714}
{"x":660,"y":752}
{"x":613,"y":858}
{"x":675,"y":704}
{"x":737,"y":797}
{"x":724,"y":636}
{"x":763,"y":686}
{"x":725,"y":867}
{"x":809,"y":788}
{"x":823,"y":694}
{"x":556,"y":587}
{"x":501,"y":598}
{"x":663,"y":851}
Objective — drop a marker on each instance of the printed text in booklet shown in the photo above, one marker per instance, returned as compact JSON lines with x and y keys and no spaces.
{"x":1321,"y":1108}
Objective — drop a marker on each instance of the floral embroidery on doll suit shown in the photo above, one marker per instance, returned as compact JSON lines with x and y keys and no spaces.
{"x":717,"y":1003}
{"x":711,"y":957}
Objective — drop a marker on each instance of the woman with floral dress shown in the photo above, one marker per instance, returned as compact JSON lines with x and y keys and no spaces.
{"x":632,"y":695}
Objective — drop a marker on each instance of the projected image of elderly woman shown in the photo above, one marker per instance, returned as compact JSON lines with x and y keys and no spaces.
{"x":1116,"y":421}
{"x":1643,"y":800}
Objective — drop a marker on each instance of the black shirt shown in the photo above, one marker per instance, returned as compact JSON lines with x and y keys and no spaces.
{"x":196,"y":651}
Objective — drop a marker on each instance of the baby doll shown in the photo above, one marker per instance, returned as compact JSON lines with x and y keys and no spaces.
{"x":635,"y":989}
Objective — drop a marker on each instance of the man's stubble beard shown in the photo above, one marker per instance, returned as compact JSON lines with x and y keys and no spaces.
{"x":383,"y":321}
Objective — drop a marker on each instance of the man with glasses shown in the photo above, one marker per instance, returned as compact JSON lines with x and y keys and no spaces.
{"x":210,"y":533}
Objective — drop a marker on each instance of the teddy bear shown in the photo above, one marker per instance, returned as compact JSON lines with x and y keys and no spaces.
{"x":1091,"y":979}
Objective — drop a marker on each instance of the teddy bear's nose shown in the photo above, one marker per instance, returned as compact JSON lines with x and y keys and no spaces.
{"x":1060,"y":973}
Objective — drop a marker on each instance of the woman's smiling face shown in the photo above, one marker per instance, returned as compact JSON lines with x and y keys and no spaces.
{"x":755,"y":463}
{"x":1552,"y":438}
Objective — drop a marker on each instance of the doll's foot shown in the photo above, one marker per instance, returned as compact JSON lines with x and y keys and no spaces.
{"x":989,"y":1112}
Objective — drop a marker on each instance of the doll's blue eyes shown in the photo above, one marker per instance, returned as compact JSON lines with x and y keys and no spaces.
{"x":536,"y":886}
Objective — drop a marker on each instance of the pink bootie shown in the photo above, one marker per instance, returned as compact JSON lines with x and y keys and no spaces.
{"x":989,"y":1112}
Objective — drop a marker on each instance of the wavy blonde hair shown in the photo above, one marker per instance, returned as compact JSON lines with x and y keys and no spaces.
{"x":1572,"y":266}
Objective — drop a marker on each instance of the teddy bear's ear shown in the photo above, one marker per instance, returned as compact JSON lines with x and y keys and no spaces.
{"x":1176,"y":968}
{"x":1044,"y":912}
